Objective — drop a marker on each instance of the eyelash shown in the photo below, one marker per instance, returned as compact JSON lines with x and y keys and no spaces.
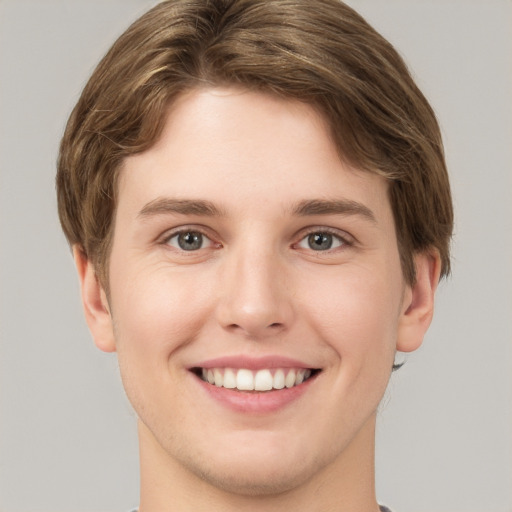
{"x":345,"y":240}
{"x":184,"y":230}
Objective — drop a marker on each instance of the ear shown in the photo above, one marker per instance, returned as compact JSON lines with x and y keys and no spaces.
{"x":418,"y":304}
{"x":94,"y":301}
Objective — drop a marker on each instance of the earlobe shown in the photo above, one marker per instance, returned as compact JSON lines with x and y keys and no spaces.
{"x":94,"y":301}
{"x":418,"y":305}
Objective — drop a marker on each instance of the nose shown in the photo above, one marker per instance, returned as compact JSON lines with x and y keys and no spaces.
{"x":255,"y":297}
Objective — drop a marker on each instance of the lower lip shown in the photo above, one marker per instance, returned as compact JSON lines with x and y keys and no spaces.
{"x":256,"y":402}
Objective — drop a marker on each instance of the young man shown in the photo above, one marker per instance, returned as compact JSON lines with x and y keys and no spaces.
{"x":258,"y":204}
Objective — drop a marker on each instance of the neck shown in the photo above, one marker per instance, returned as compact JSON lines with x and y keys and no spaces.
{"x":346,"y":484}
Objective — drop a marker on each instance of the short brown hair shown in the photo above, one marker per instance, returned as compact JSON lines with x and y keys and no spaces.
{"x":321,"y":53}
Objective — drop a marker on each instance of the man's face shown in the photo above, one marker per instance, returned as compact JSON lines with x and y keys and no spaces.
{"x":247,"y":254}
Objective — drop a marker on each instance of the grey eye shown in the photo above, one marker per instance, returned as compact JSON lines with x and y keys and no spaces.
{"x":188,"y":240}
{"x":321,"y":241}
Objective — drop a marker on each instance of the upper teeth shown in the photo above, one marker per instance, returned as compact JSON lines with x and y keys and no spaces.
{"x":261,"y":380}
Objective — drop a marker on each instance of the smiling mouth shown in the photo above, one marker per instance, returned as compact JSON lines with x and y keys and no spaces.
{"x":243,"y":379}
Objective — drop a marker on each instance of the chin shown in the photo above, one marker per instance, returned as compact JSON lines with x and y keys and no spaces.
{"x":256,"y":469}
{"x":249,"y":480}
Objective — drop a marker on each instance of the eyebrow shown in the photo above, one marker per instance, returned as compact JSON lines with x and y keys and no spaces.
{"x":333,"y":207}
{"x":181,"y":206}
{"x":305,"y":208}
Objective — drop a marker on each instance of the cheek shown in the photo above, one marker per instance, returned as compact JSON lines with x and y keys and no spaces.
{"x":156,"y":314}
{"x":356,"y":314}
{"x":158,"y":311}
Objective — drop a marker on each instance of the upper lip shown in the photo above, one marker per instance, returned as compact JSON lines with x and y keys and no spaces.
{"x":253,"y":363}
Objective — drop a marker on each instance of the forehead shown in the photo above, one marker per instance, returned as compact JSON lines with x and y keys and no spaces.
{"x":235,"y":146}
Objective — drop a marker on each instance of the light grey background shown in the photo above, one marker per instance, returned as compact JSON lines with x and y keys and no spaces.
{"x":67,"y":434}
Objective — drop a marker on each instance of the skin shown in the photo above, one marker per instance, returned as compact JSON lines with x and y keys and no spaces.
{"x":256,"y":287}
